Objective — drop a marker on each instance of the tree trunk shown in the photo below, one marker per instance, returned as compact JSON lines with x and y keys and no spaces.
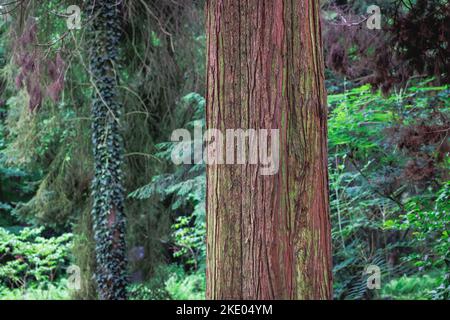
{"x":268,"y":236}
{"x":107,"y":187}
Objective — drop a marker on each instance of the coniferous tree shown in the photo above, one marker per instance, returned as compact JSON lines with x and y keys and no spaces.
{"x":268,"y":237}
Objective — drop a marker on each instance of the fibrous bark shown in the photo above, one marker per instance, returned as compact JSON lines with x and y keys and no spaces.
{"x":268,"y":237}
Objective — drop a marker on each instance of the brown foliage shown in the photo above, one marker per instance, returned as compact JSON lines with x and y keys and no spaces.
{"x":412,"y":42}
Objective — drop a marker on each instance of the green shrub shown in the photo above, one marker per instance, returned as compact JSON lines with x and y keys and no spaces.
{"x":428,"y":220}
{"x":48,"y":291}
{"x":182,"y":286}
{"x":27,"y":258}
{"x":153,"y":289}
{"x":387,"y":167}
{"x":171,"y":282}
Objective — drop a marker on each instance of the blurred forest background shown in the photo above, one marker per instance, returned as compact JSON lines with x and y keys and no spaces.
{"x":388,"y":94}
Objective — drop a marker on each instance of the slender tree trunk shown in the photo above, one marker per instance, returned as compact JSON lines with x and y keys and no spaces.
{"x":107,"y":187}
{"x":268,"y":237}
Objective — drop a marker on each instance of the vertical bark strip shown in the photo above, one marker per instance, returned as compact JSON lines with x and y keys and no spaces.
{"x":268,"y":237}
{"x":107,"y":187}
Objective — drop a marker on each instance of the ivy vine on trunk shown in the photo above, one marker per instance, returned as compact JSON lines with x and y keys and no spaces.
{"x":107,"y":186}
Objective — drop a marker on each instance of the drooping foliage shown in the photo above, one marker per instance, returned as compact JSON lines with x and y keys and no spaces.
{"x":159,"y":64}
{"x":184,"y":187}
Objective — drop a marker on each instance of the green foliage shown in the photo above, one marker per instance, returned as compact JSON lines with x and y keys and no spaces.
{"x":418,"y":287}
{"x":48,"y":291}
{"x":190,"y":240}
{"x":182,"y":286}
{"x":383,"y":212}
{"x":187,"y":287}
{"x":428,"y":221}
{"x":54,"y":143}
{"x":27,"y":257}
{"x":141,"y":291}
{"x":43,"y":146}
{"x":356,"y":119}
{"x":154,"y":289}
{"x":171,"y":282}
{"x":186,"y":190}
{"x":371,"y":185}
{"x":368,"y":187}
{"x":15,"y":184}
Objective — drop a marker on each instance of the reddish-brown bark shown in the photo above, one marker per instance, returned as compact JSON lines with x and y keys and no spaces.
{"x":268,"y":237}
